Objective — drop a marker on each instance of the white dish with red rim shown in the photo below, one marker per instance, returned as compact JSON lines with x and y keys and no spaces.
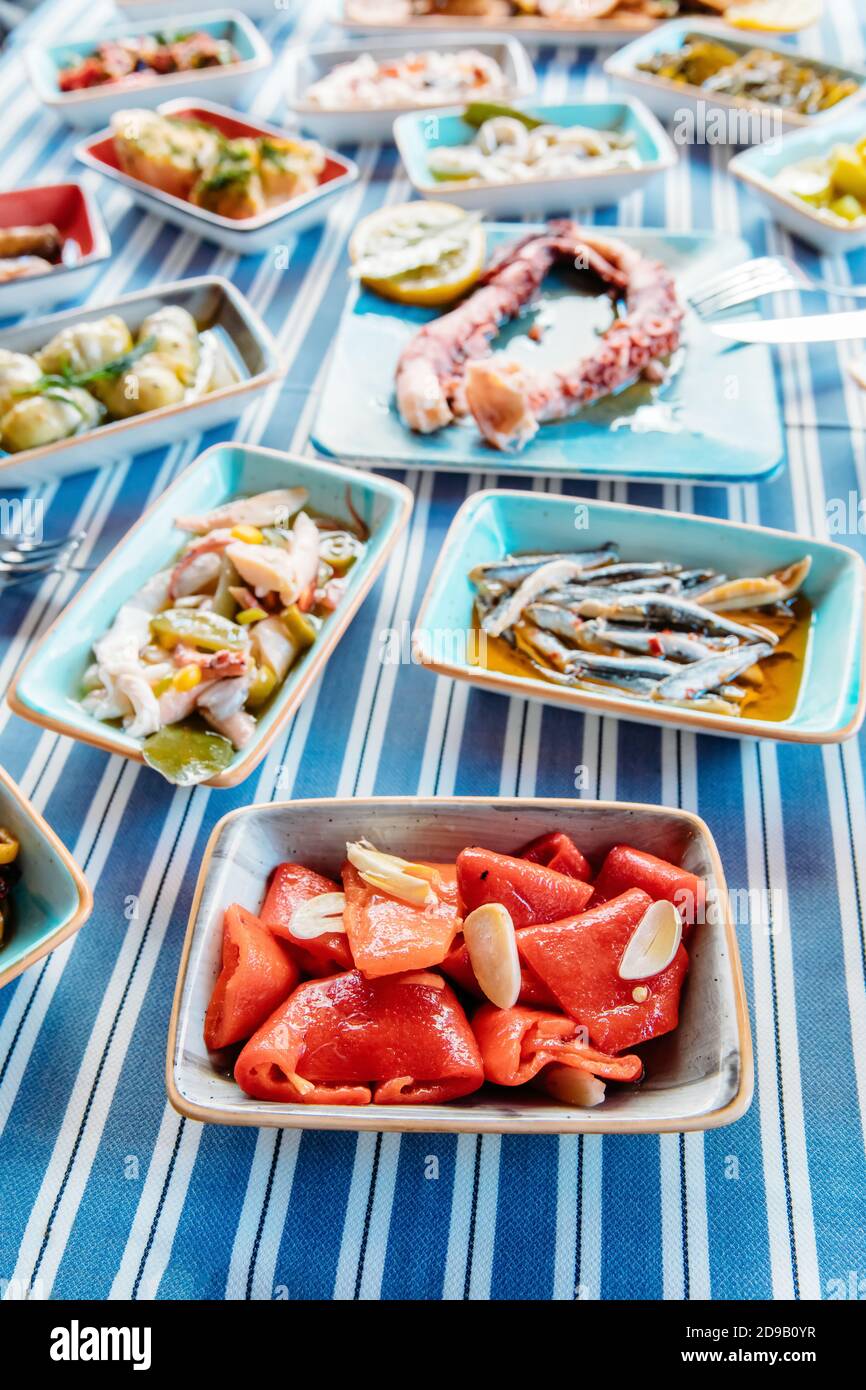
{"x":243,"y":235}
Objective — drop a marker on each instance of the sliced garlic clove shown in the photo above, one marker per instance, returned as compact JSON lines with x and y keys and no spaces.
{"x":572,"y":1086}
{"x":396,"y":877}
{"x":318,"y":915}
{"x":653,"y":943}
{"x":492,"y":945}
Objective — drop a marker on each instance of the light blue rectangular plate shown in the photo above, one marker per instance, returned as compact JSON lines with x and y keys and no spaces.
{"x":492,"y":524}
{"x":51,"y":900}
{"x":716,"y":419}
{"x":47,"y":689}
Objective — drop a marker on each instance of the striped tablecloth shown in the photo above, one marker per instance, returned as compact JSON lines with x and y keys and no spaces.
{"x":106,"y":1192}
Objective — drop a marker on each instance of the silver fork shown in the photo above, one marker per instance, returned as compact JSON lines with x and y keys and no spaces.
{"x":23,"y":560}
{"x":764,"y":275}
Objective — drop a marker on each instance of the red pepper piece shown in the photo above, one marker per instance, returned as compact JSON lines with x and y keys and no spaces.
{"x":347,"y":1040}
{"x":257,"y":974}
{"x":625,"y":867}
{"x":291,"y":885}
{"x":516,"y":1043}
{"x":578,"y":960}
{"x":458,"y":967}
{"x":531,"y":892}
{"x":387,"y":935}
{"x":558,"y":851}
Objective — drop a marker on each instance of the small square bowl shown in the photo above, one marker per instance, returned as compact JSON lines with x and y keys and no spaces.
{"x":421,"y":132}
{"x":213,"y":303}
{"x":757,"y":121}
{"x":47,"y":686}
{"x":758,"y":167}
{"x":243,"y":235}
{"x":342,"y":125}
{"x":698,"y":1077}
{"x":52,"y":899}
{"x":491,"y":524}
{"x":92,"y":106}
{"x":77,"y":218}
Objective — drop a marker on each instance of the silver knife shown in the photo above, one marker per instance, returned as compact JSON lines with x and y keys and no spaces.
{"x":808,"y":328}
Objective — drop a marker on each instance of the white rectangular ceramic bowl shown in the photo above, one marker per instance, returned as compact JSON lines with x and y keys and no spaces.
{"x":698,"y":1077}
{"x":304,"y":65}
{"x":211,"y":300}
{"x":93,"y":106}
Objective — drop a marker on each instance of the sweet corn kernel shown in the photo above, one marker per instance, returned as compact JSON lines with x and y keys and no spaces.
{"x":250,"y":615}
{"x":188,"y":677}
{"x":251,"y":534}
{"x":162,"y":686}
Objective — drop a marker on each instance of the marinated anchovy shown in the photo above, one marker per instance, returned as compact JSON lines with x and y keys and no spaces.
{"x":566,"y":659}
{"x":701,"y":676}
{"x":637,"y":624}
{"x":650,"y":641}
{"x":512,"y":570}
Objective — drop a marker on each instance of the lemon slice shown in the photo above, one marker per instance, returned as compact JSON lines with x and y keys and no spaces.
{"x":419,"y":253}
{"x":775,"y":16}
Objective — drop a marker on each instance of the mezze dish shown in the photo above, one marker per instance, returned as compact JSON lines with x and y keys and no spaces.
{"x":459,"y":964}
{"x":447,"y":372}
{"x":193,"y":160}
{"x":207,"y":643}
{"x":628,"y":611}
{"x":605,"y":20}
{"x":198,"y":637}
{"x":652,"y":628}
{"x":341,"y":991}
{"x":516,"y":146}
{"x":86,"y":386}
{"x":44,"y":896}
{"x":123,"y":59}
{"x":754,"y":74}
{"x":428,"y":77}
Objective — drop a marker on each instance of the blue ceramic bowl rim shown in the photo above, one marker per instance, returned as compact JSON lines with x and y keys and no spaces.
{"x":46,"y":62}
{"x":48,"y":713}
{"x":665,"y":151}
{"x":73,"y":919}
{"x":853,"y":676}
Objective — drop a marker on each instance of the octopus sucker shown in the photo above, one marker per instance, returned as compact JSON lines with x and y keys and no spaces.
{"x":447,"y":369}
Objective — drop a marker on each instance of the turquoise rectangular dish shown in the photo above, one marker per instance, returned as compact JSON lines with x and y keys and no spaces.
{"x":687,"y":429}
{"x":51,"y":900}
{"x":47,"y":687}
{"x":419,"y":132}
{"x":491,"y":524}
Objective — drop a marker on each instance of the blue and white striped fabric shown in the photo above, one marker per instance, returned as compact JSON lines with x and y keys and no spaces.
{"x":106,"y":1192}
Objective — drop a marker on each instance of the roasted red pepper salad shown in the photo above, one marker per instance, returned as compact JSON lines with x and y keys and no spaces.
{"x":415,"y":982}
